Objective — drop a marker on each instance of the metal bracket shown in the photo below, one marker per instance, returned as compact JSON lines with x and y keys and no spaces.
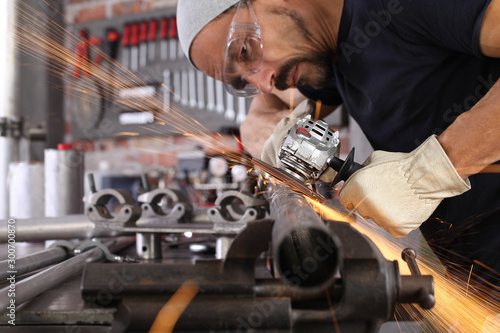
{"x":217,"y":215}
{"x":105,"y":250}
{"x":127,"y":213}
{"x":72,"y":249}
{"x":151,"y":205}
{"x":228,"y":208}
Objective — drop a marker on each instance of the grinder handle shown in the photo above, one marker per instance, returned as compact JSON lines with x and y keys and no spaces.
{"x":344,"y":169}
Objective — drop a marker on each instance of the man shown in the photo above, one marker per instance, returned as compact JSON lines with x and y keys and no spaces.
{"x":407,"y":71}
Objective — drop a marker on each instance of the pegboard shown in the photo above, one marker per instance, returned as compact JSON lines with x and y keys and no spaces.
{"x":153,"y":61}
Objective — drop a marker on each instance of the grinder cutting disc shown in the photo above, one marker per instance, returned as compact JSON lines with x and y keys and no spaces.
{"x":289,"y":180}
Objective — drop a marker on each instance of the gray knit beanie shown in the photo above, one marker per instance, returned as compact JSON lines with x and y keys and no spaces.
{"x":194,"y":15}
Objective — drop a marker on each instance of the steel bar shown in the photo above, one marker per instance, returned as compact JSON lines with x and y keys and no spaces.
{"x":148,"y":246}
{"x":34,"y":261}
{"x":64,"y":170}
{"x":9,"y":67}
{"x":38,"y":283}
{"x":277,"y":288}
{"x":306,"y":252}
{"x":208,"y":314}
{"x":153,"y":279}
{"x":65,"y":227}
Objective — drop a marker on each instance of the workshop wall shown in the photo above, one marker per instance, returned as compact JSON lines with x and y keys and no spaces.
{"x":128,"y":155}
{"x":80,"y":11}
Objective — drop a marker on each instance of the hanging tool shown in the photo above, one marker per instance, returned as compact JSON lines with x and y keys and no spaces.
{"x":242,"y":110}
{"x":166,"y":90}
{"x":91,"y":117}
{"x":177,"y":86}
{"x":134,"y":47}
{"x":230,"y":114}
{"x":219,"y":97}
{"x":84,"y":63}
{"x":172,"y":35}
{"x":87,"y":90}
{"x":210,"y":94}
{"x":200,"y":89}
{"x":193,"y":102}
{"x":125,"y":52}
{"x":185,"y":87}
{"x":112,"y":43}
{"x":164,"y":39}
{"x":153,"y":29}
{"x":143,"y":46}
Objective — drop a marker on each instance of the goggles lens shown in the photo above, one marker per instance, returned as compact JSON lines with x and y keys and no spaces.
{"x":244,"y":54}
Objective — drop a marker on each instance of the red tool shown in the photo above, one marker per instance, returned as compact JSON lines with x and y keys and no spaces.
{"x":153,"y":29}
{"x":87,"y":89}
{"x":172,"y":35}
{"x":83,"y":57}
{"x":125,"y":52}
{"x":164,"y":39}
{"x":112,"y":43}
{"x":143,"y":47}
{"x":134,"y":47}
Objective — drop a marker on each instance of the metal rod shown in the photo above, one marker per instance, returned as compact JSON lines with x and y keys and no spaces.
{"x":306,"y":253}
{"x":34,"y":261}
{"x":64,"y":227}
{"x":148,"y":246}
{"x":64,"y":173}
{"x":90,"y":177}
{"x":9,"y":66}
{"x":410,"y":257}
{"x":38,"y":283}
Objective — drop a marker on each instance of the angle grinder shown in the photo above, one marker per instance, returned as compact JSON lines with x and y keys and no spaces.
{"x":308,"y":150}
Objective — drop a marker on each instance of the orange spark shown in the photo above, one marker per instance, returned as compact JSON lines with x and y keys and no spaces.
{"x":455,"y":308}
{"x":127,"y":134}
{"x":176,"y":305}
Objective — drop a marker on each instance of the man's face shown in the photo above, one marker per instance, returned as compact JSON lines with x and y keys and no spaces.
{"x":292,"y":56}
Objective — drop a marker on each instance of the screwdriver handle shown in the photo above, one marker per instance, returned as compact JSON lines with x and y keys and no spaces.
{"x":344,"y":169}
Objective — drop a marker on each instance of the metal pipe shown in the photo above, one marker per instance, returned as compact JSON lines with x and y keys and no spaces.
{"x":222,"y":245}
{"x":64,"y":227}
{"x":64,"y":169}
{"x":148,"y":246}
{"x":220,"y":314}
{"x":306,"y":253}
{"x":34,"y":261}
{"x":38,"y":283}
{"x":9,"y":146}
{"x":276,"y":288}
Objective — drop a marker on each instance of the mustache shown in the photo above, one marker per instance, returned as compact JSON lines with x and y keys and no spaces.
{"x":321,"y":70}
{"x":281,"y":79}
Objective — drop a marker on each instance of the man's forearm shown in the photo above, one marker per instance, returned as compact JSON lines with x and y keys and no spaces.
{"x":264,"y":113}
{"x":472,"y":141}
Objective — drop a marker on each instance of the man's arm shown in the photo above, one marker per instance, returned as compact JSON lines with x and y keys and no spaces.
{"x":471,"y":142}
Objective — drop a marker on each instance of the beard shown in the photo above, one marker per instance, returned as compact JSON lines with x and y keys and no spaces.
{"x":320,"y":69}
{"x":320,"y":72}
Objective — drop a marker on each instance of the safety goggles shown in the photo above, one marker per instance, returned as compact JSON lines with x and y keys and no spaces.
{"x":243,"y":52}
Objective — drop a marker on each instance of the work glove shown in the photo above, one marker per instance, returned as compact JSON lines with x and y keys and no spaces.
{"x":272,"y":146}
{"x":400,"y":191}
{"x":492,"y":324}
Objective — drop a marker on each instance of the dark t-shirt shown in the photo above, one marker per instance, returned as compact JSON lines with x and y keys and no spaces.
{"x":406,"y":70}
